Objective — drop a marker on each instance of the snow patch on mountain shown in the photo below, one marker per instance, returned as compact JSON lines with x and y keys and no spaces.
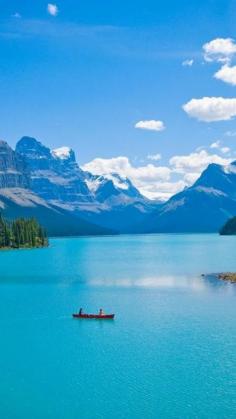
{"x":210,"y":191}
{"x":231,"y":168}
{"x":62,"y":153}
{"x":118,"y":181}
{"x":22,"y":197}
{"x":94,"y":182}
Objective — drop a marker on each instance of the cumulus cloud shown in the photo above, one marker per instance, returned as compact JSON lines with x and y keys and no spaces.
{"x":151,"y":125}
{"x":187,"y":63}
{"x":219,"y":49}
{"x":209,"y":109}
{"x":216,"y":144}
{"x":196,"y":162}
{"x":225,"y":150}
{"x":227,"y":74}
{"x":145,"y":178}
{"x":190,"y":178}
{"x":158,"y":182}
{"x":123,"y":167}
{"x":52,"y":9}
{"x":154,"y":157}
{"x":163,"y":190}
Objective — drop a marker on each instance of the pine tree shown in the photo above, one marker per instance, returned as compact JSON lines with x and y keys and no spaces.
{"x":22,"y":233}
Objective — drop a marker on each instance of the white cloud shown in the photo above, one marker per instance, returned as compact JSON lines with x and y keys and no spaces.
{"x":190,"y":178}
{"x":209,"y":109}
{"x":158,"y":182}
{"x":145,"y":178}
{"x":154,"y":157}
{"x":227,"y":74}
{"x":52,"y":9}
{"x":225,"y":150}
{"x":188,"y":63}
{"x":216,"y":144}
{"x":163,"y":190}
{"x":196,"y":162}
{"x":219,"y":49}
{"x":151,"y":125}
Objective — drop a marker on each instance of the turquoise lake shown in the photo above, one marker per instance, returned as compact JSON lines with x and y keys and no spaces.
{"x":169,"y":353}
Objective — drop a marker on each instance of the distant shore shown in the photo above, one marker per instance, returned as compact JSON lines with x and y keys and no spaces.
{"x":5,"y":248}
{"x":225,"y":276}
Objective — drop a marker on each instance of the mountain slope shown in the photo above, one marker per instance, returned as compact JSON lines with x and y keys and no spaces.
{"x":19,"y":202}
{"x":13,"y":170}
{"x":108,"y":200}
{"x":120,"y":204}
{"x":55,"y":175}
{"x":229,"y":228}
{"x":204,"y":207}
{"x":16,"y":198}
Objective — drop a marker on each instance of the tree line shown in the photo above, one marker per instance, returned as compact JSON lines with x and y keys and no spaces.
{"x":22,"y":232}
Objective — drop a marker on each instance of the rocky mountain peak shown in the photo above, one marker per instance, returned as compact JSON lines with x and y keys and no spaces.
{"x":13,"y":171}
{"x":31,"y":147}
{"x":55,"y":173}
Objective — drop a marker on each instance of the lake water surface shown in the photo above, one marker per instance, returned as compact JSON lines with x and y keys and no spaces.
{"x":169,"y":353}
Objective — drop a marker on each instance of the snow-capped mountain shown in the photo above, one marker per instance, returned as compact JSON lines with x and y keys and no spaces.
{"x":107,"y":200}
{"x":55,"y":175}
{"x":18,"y":199}
{"x":112,"y":188}
{"x":119,"y":203}
{"x":51,"y":185}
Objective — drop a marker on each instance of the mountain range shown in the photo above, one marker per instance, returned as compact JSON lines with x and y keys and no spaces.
{"x":50,"y":185}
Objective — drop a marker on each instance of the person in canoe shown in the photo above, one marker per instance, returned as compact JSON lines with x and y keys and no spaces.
{"x":80,"y":311}
{"x":101,"y":312}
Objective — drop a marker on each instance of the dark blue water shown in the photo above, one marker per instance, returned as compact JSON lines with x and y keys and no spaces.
{"x":170,"y":352}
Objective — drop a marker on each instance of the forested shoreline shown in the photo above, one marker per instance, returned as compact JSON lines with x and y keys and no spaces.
{"x":22,"y":233}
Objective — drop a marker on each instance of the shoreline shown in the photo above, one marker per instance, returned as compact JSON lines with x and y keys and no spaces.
{"x":227,"y":276}
{"x":22,"y":248}
{"x":223,"y":276}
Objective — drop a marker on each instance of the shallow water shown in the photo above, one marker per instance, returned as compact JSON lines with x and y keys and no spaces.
{"x":169,"y":353}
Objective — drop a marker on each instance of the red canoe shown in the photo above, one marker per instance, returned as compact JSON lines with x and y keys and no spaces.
{"x":94,"y":316}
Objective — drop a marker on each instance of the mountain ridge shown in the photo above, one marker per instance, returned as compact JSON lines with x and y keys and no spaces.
{"x":107,"y":200}
{"x":34,"y":176}
{"x":203,"y":207}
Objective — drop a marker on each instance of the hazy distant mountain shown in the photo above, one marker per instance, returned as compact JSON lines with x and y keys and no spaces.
{"x":120,"y":204}
{"x":112,"y":187}
{"x":204,"y":207}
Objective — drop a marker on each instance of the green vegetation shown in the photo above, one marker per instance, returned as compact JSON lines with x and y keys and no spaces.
{"x":229,"y":228}
{"x":22,"y":233}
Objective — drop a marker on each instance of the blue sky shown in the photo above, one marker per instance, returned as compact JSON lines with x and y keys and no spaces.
{"x":85,"y":76}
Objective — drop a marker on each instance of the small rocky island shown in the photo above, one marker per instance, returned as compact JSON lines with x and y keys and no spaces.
{"x":22,"y":233}
{"x":227,"y":276}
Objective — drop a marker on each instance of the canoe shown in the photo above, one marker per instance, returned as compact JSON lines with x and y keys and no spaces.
{"x":94,"y":316}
